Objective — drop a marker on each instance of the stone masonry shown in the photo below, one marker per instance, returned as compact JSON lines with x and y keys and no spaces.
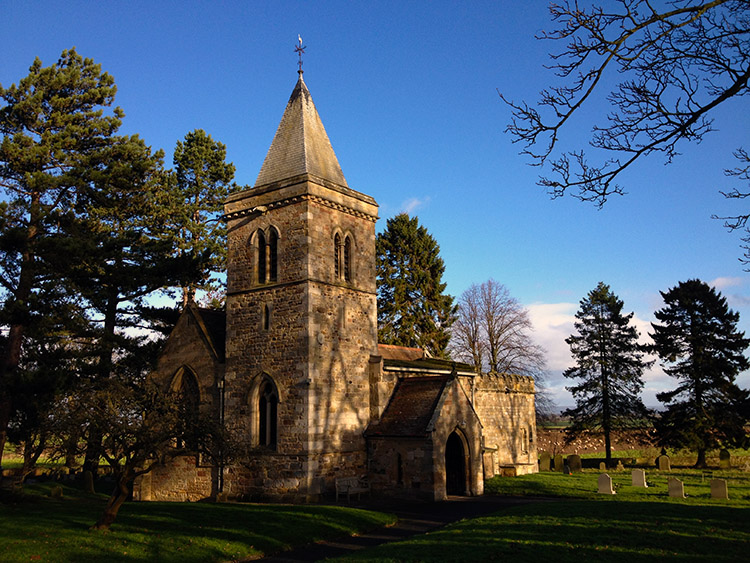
{"x":294,"y":366}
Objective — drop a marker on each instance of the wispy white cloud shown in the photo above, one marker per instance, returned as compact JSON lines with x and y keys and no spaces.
{"x":554,"y":322}
{"x":722,"y":283}
{"x":413,"y":203}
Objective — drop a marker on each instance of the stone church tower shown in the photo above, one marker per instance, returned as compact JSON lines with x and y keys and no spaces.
{"x":301,"y":313}
{"x":293,"y":368}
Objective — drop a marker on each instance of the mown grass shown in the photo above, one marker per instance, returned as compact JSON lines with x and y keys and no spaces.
{"x":575,"y":523}
{"x":583,"y":530}
{"x":36,"y":527}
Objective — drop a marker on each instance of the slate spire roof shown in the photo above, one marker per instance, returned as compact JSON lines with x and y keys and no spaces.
{"x":301,"y":145}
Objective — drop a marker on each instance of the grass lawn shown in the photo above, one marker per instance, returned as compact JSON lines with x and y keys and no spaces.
{"x":40,"y":528}
{"x":635,"y":525}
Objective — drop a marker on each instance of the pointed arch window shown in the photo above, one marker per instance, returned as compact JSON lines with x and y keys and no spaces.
{"x":342,"y":257}
{"x":273,"y":260}
{"x":261,"y":256}
{"x":268,"y":401}
{"x":267,"y":255}
{"x":337,"y":256}
{"x":347,"y":259}
{"x":187,"y":400}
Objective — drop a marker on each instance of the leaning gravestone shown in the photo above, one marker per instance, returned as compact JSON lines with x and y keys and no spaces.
{"x":725,"y":459}
{"x":676,"y":489}
{"x":605,"y":484}
{"x":662,"y":463}
{"x":719,"y":488}
{"x":639,"y":478}
{"x":574,"y":462}
{"x":559,"y":463}
{"x":544,"y":461}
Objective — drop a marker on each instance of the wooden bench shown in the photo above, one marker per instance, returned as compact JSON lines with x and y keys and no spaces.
{"x":350,"y":486}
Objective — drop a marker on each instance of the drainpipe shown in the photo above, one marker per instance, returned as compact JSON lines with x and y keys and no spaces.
{"x":221,"y":423}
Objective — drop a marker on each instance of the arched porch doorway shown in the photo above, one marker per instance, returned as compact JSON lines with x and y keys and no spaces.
{"x":456,"y":465}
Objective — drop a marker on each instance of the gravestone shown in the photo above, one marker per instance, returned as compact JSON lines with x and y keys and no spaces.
{"x":566,"y":469}
{"x":725,"y":459}
{"x":620,"y":466}
{"x":602,"y":466}
{"x":88,"y":482}
{"x":559,"y":463}
{"x":676,"y":489}
{"x":639,"y":478}
{"x":662,"y":463}
{"x":56,"y":492}
{"x":719,"y":488}
{"x":605,"y":484}
{"x":222,"y":497}
{"x":574,"y":462}
{"x":544,"y":461}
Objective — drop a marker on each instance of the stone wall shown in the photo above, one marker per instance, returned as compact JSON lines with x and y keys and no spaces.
{"x":315,"y":346}
{"x":505,"y":405}
{"x":180,"y":479}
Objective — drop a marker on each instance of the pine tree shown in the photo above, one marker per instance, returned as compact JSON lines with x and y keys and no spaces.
{"x":121,"y":253}
{"x":413,"y":309}
{"x":202,"y":180}
{"x":53,"y":128}
{"x":609,"y":365}
{"x":699,"y":345}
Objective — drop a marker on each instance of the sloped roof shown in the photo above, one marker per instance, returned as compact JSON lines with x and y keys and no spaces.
{"x":392,"y":352}
{"x":213,"y":325}
{"x":301,"y":145}
{"x":411,"y":407}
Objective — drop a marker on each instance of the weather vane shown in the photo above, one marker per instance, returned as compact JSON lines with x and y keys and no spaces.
{"x":300,"y":49}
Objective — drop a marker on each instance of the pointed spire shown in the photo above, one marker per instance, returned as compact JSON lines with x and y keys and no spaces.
{"x":301,"y":145}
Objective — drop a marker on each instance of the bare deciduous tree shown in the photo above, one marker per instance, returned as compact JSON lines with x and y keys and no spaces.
{"x":493,"y":333}
{"x":676,"y":62}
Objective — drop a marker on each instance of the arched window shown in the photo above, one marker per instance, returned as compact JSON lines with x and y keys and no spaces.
{"x":268,"y":400}
{"x":347,"y":259}
{"x":337,"y":256}
{"x":261,"y":257}
{"x":273,"y":261}
{"x":266,"y":255}
{"x":187,"y":400}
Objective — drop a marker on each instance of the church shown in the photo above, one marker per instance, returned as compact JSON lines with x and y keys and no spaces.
{"x":293,"y":365}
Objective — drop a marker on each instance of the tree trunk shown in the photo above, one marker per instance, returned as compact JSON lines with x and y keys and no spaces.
{"x":607,"y":447}
{"x":701,"y":463}
{"x":116,"y":500}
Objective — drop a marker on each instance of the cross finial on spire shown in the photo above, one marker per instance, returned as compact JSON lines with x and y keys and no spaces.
{"x":300,"y":49}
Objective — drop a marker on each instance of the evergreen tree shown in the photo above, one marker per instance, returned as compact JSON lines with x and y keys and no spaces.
{"x":53,"y":130}
{"x":699,"y":345}
{"x":202,"y":180}
{"x":122,"y":253}
{"x":609,"y":365}
{"x":413,"y":309}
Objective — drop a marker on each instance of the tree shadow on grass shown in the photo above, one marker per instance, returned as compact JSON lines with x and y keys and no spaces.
{"x":586,"y":530}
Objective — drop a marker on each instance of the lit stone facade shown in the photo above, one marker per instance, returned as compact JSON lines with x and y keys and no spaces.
{"x":296,"y":369}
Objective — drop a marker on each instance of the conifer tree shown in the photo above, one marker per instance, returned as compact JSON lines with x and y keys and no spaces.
{"x":122,"y":253}
{"x":699,"y":344}
{"x":53,"y":128}
{"x":202,"y":180}
{"x":609,"y":365}
{"x":413,"y":309}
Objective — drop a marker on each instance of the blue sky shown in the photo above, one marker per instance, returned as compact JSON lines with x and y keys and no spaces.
{"x":407,"y":92}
